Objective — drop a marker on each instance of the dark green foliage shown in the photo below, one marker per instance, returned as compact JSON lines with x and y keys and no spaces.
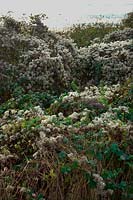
{"x":128,"y":20}
{"x":83,"y":34}
{"x":22,"y":100}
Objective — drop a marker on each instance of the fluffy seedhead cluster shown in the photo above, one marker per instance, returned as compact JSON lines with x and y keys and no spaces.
{"x":36,"y":63}
{"x":108,"y":62}
{"x":121,"y":35}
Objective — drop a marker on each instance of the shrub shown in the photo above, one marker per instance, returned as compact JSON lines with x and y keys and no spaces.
{"x":128,"y":20}
{"x":84,"y":34}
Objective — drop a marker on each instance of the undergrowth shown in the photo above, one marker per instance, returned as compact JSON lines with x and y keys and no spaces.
{"x":79,"y":147}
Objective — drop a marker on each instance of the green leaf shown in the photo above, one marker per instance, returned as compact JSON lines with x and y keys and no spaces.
{"x":62,"y":155}
{"x":122,"y":185}
{"x":74,"y":86}
{"x":75,"y":165}
{"x":65,"y":140}
{"x":65,"y":169}
{"x":92,"y":183}
{"x":114,"y":147}
{"x":99,"y":156}
{"x":40,"y":197}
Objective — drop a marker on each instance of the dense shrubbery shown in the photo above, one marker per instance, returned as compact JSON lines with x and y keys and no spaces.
{"x":128,"y":20}
{"x":85,"y":34}
{"x":36,"y":59}
{"x":78,"y":148}
{"x":65,"y":114}
{"x":121,"y":35}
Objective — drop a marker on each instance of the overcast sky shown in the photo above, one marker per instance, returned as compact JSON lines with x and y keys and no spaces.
{"x":63,"y":13}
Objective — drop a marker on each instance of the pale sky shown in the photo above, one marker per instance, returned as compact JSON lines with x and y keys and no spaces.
{"x":62,"y":13}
